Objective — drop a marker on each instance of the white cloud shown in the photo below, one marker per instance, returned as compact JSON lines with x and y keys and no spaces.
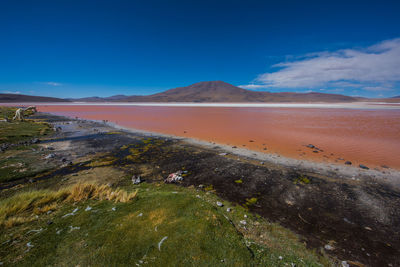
{"x":53,"y":83}
{"x":11,"y":92}
{"x":375,"y":67}
{"x":253,"y":86}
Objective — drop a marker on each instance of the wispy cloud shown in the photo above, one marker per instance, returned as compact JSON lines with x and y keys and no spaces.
{"x":253,"y":86}
{"x":53,"y":83}
{"x":11,"y":92}
{"x":374,"y":68}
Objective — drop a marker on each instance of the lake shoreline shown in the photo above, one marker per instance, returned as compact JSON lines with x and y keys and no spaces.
{"x":355,"y":215}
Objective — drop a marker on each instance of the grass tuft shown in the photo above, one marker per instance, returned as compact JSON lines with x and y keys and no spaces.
{"x":15,"y":210}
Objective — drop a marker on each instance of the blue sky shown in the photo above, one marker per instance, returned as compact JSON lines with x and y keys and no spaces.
{"x":85,"y":48}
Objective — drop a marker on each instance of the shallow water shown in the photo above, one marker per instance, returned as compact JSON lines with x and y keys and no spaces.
{"x":369,"y":137}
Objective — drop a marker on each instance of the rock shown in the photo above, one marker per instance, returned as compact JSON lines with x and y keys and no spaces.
{"x":348,"y":163}
{"x":345,"y":264}
{"x":223,"y":154}
{"x":329,"y":247}
{"x":385,"y":167}
{"x":228,"y":210}
{"x":35,"y":141}
{"x":136,"y":179}
{"x":368,"y":228}
{"x":280,"y":258}
{"x":363,"y":167}
{"x":88,"y":208}
{"x":264,"y":148}
{"x":201,"y":186}
{"x":50,"y":156}
{"x":251,"y":141}
{"x":245,"y":216}
{"x":234,"y":147}
{"x":315,"y":151}
{"x":310,"y":146}
{"x":243,"y":222}
{"x":219,"y":204}
{"x":49,"y":222}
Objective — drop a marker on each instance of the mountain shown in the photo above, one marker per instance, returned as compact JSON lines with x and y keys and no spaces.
{"x":99,"y":99}
{"x":219,"y":91}
{"x":5,"y":98}
{"x":211,"y":91}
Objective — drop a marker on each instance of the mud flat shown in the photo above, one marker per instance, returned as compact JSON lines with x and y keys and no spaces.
{"x":347,"y":212}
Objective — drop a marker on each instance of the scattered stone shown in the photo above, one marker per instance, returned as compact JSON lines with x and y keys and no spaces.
{"x":136,"y":179}
{"x":88,"y":208}
{"x":329,"y":247}
{"x":113,"y":209}
{"x":385,"y":166}
{"x":140,"y":215}
{"x":243,"y":222}
{"x":251,"y":141}
{"x":50,"y":156}
{"x":35,"y":141}
{"x":245,"y":216}
{"x":348,"y":163}
{"x":315,"y":151}
{"x":363,"y":167}
{"x":310,"y":146}
{"x":280,"y":258}
{"x":49,"y":222}
{"x":228,"y":210}
{"x":368,"y":228}
{"x":345,"y":264}
{"x":234,"y":147}
{"x":223,"y":154}
{"x":201,"y":186}
{"x":262,"y":162}
{"x":219,"y":204}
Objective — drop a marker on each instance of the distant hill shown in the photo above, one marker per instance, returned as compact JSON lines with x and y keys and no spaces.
{"x":219,"y":91}
{"x":99,"y":99}
{"x":6,"y":98}
{"x":212,"y":91}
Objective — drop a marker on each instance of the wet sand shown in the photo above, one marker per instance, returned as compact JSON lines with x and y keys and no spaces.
{"x":369,"y":137}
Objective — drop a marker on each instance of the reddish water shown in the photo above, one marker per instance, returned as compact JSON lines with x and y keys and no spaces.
{"x":370,"y":137}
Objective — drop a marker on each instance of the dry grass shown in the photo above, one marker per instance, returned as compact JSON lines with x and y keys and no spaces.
{"x":18,"y":209}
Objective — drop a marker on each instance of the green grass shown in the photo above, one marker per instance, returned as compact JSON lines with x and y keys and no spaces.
{"x":22,"y":162}
{"x":16,"y":131}
{"x":198,"y":232}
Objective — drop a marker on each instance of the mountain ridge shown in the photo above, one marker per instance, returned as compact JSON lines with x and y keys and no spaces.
{"x":202,"y":92}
